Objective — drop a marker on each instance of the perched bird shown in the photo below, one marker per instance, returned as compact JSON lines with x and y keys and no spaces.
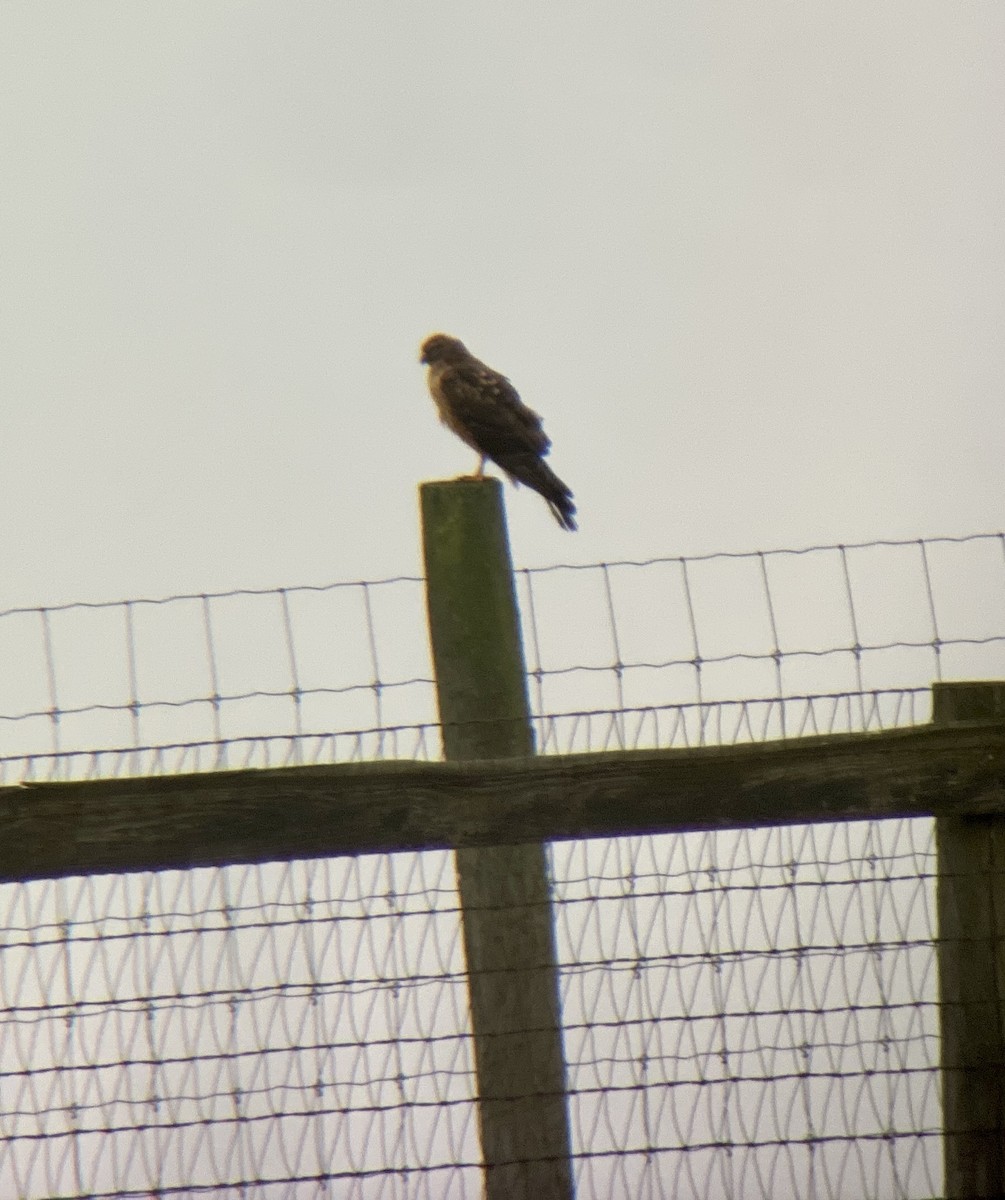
{"x":483,"y":408}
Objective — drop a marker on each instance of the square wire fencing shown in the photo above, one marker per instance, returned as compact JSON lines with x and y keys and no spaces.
{"x":745,"y":1013}
{"x":718,"y":649}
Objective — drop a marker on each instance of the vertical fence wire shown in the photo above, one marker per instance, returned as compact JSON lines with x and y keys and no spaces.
{"x":691,"y":657}
{"x":532,"y":653}
{"x":133,"y":684}
{"x":214,"y":682}
{"x":746,"y":1014}
{"x":776,"y":650}
{"x":617,"y":666}
{"x":50,"y":677}
{"x":696,"y":659}
{"x":296,"y":692}
{"x":929,"y":596}
{"x":856,"y":646}
{"x":375,"y":682}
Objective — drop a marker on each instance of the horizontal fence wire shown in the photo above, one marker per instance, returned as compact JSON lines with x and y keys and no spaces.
{"x":684,"y":651}
{"x":753,"y":1014}
{"x":208,"y":682}
{"x":749,"y":1013}
{"x":746,"y":1014}
{"x":869,"y":626}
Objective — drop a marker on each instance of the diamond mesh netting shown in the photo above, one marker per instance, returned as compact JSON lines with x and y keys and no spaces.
{"x":753,"y":1014}
{"x":750,"y":1013}
{"x":745,"y":1014}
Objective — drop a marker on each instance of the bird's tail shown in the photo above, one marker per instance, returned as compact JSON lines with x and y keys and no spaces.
{"x":536,"y":474}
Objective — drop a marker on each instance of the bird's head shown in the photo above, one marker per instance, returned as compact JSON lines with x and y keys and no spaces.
{"x":441,"y":347}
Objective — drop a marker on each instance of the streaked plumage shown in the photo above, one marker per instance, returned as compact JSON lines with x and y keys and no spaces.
{"x":484,"y":409}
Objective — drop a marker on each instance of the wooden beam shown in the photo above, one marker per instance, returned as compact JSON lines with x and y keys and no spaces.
{"x":970,"y":901}
{"x":119,"y":825}
{"x":506,"y":916}
{"x":474,"y":624}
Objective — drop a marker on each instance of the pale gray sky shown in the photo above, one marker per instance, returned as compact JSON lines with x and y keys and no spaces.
{"x":746,"y":260}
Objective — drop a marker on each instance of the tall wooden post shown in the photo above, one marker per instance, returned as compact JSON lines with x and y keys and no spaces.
{"x":509,"y":935}
{"x":971,"y":958}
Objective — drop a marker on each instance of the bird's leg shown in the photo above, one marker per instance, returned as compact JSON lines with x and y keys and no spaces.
{"x":480,"y":473}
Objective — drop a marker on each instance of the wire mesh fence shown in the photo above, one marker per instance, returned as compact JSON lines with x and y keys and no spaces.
{"x":274,"y":1029}
{"x":669,"y":652}
{"x":188,"y":683}
{"x":753,"y":1014}
{"x":748,"y":1015}
{"x":745,"y":1014}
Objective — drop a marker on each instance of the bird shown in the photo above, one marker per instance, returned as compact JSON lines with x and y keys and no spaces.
{"x":484,"y":410}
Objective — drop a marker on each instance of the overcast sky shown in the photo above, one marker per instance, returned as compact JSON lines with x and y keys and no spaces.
{"x":746,"y":260}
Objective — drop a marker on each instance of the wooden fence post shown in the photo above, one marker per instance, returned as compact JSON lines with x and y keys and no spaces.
{"x":509,"y":936}
{"x":971,"y":962}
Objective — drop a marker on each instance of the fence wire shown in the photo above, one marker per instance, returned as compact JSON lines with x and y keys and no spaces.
{"x":753,"y":1014}
{"x":745,"y":1014}
{"x":669,"y":652}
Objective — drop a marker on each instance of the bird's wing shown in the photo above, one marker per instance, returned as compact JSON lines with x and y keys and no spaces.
{"x":491,"y":412}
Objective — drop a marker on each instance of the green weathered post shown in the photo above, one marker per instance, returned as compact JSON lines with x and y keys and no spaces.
{"x":509,"y":934}
{"x":970,"y":860}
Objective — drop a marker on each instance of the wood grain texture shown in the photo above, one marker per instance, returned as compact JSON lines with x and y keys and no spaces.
{"x":970,"y":902}
{"x":53,"y":829}
{"x":506,"y":917}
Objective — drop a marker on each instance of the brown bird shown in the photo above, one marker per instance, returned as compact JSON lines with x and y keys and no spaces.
{"x":483,"y":408}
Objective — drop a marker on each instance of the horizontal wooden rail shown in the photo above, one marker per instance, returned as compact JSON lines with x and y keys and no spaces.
{"x":54,"y":829}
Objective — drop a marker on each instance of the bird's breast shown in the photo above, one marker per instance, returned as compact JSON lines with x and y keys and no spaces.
{"x":441,"y":397}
